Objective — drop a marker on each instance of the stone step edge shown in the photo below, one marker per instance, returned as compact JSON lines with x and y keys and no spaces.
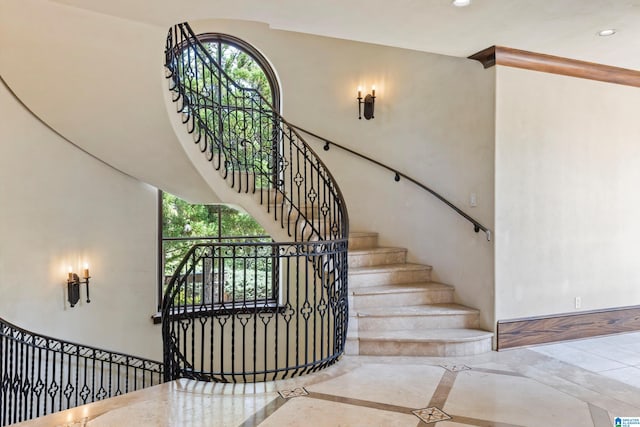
{"x":363,"y":239}
{"x":401,"y":288}
{"x":357,"y":234}
{"x":376,"y":250}
{"x":423,"y":336}
{"x":451,"y":309}
{"x":389,"y":268}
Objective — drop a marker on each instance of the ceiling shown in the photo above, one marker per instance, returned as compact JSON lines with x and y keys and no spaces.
{"x":558,"y":27}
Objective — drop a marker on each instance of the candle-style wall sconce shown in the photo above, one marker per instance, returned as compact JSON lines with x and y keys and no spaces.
{"x":369,"y":102}
{"x":73,"y":285}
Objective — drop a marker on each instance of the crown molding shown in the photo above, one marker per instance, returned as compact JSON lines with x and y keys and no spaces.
{"x":498,"y":55}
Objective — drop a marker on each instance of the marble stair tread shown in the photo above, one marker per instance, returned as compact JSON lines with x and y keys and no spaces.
{"x":388,"y":268}
{"x":357,"y":234}
{"x":401,"y":288}
{"x":426,"y":335}
{"x":376,"y":250}
{"x":362,"y":239}
{"x":418,"y":310}
{"x":374,"y":256}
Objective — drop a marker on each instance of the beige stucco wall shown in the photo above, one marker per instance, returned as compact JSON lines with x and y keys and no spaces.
{"x":99,"y":81}
{"x":567,"y":200}
{"x":434,"y":121}
{"x":60,"y":208}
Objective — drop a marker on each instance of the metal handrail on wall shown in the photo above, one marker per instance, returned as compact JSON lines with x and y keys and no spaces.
{"x":254,"y":311}
{"x":477,"y":226}
{"x":40,"y":375}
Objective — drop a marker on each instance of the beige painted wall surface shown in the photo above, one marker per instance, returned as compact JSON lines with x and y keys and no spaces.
{"x":434,"y":121}
{"x":567,"y":200}
{"x":109,"y":73}
{"x":61,"y":207}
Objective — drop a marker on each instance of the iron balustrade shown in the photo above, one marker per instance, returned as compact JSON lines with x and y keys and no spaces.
{"x":174,"y":250}
{"x":477,"y":226}
{"x":220,"y":319}
{"x":297,"y":327}
{"x":251,"y":144}
{"x":216,"y":282}
{"x":40,"y":375}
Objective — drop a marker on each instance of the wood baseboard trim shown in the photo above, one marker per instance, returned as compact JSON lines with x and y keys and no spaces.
{"x":563,"y":327}
{"x":499,"y":55}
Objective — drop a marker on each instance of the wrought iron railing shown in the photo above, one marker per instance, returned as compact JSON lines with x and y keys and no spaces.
{"x":174,"y":249}
{"x":251,"y":144}
{"x":397,"y":175}
{"x":40,"y":375}
{"x":218,"y":284}
{"x":220,"y":319}
{"x":256,"y":334}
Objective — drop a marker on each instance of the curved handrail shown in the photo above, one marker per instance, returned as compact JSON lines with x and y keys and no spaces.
{"x":477,"y":226}
{"x":308,"y":305}
{"x":266,"y":310}
{"x":11,"y":330}
{"x":250,"y":102}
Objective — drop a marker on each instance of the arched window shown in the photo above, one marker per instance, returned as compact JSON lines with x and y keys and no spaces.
{"x":244,"y":64}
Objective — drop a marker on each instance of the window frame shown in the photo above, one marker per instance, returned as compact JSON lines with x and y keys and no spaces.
{"x":255,"y":54}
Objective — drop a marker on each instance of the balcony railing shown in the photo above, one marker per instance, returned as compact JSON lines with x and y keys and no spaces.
{"x":40,"y":375}
{"x":256,"y":334}
{"x":218,"y":287}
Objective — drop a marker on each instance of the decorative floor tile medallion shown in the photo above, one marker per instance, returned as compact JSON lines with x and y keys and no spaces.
{"x":431,"y":415}
{"x":456,"y":368}
{"x":296,"y":392}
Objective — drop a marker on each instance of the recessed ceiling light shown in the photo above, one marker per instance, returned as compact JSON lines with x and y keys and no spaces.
{"x":607,"y":32}
{"x":461,"y":3}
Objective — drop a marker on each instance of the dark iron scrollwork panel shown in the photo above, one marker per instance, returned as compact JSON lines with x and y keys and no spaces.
{"x":40,"y":375}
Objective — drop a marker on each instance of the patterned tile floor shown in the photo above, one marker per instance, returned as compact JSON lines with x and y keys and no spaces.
{"x":581,"y":383}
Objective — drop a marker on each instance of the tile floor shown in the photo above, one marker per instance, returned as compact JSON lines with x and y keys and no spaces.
{"x":580,"y":383}
{"x":616,"y":357}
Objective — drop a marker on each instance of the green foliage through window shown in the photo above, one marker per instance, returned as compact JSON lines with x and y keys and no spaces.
{"x":233,"y":95}
{"x":230,"y":277}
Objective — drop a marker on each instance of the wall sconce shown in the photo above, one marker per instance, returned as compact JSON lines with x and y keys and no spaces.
{"x":73,"y":285}
{"x":369,"y":102}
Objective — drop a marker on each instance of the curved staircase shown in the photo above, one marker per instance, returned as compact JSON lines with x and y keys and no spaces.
{"x":253,"y":157}
{"x":396,"y":310}
{"x":243,"y":311}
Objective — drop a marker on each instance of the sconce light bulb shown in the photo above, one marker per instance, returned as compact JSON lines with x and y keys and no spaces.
{"x":373,"y":90}
{"x":359,"y":91}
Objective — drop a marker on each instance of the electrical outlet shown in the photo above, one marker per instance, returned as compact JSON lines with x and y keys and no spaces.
{"x":578,"y":302}
{"x":473,"y":200}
